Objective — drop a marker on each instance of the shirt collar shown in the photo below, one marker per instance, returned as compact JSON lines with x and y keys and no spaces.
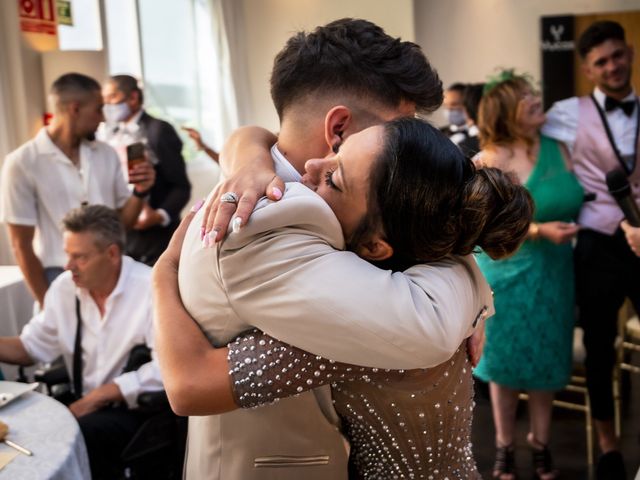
{"x":286,"y":164}
{"x":45,"y":146}
{"x":600,"y":96}
{"x":135,"y":119}
{"x":125,"y":269}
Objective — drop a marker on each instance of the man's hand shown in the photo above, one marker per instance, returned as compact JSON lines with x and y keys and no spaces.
{"x":96,"y":399}
{"x":475,"y":344}
{"x":148,"y":218}
{"x":142,"y":175}
{"x":558,"y":232}
{"x":195,"y":136}
{"x":633,"y":236}
{"x":249,"y":184}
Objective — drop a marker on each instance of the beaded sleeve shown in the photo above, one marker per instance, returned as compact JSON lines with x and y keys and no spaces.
{"x":264,"y":370}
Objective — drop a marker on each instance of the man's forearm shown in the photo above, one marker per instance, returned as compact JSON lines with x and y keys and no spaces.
{"x":247,"y":146}
{"x":130,"y":211}
{"x":12,"y":351}
{"x":32,"y":270}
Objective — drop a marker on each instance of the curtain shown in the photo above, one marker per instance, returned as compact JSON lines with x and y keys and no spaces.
{"x":227,"y":17}
{"x":14,"y":122}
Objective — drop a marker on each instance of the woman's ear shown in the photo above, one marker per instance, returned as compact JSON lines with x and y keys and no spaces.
{"x":375,"y":249}
{"x":336,"y":122}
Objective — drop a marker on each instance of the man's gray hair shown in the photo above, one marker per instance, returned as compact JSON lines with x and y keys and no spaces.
{"x":103,"y":222}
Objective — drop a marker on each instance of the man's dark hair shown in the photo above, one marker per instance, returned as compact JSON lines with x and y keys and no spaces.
{"x":357,"y":57}
{"x":127,"y":85}
{"x":458,"y":87}
{"x":102,"y":221}
{"x":598,"y":33}
{"x":471,"y":99}
{"x":73,"y":83}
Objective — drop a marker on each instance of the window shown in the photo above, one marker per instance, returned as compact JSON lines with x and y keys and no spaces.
{"x":85,"y":33}
{"x":169,"y":44}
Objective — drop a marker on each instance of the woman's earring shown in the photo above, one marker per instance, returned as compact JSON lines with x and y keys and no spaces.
{"x":336,"y":147}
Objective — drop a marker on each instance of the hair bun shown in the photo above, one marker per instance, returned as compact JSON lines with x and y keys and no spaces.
{"x":495,"y":214}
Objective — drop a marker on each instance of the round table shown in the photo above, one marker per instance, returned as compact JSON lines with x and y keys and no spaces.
{"x":47,"y":428}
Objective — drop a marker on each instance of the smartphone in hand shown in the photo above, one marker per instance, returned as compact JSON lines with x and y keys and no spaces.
{"x":135,"y":154}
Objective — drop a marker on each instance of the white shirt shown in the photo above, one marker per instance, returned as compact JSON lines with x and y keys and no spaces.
{"x":562,"y":122}
{"x":106,"y":341}
{"x":283,"y":167}
{"x":39,"y":185}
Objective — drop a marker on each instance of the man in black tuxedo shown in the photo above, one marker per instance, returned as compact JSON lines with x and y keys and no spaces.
{"x":127,"y":123}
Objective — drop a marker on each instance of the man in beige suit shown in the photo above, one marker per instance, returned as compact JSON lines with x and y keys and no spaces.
{"x":326,"y":85}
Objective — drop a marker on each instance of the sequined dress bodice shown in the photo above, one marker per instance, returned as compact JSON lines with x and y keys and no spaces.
{"x":413,"y":424}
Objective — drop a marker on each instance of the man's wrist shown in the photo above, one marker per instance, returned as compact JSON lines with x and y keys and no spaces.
{"x":142,"y":194}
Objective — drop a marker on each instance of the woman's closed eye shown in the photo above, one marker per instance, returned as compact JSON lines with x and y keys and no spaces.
{"x":328,"y":180}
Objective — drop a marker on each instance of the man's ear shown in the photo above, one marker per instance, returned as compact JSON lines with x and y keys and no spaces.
{"x":134,"y":99}
{"x":114,"y":252}
{"x":336,"y":122}
{"x":375,"y":249}
{"x":586,"y":70}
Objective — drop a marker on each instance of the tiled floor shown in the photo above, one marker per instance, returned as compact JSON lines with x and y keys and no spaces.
{"x":568,"y":443}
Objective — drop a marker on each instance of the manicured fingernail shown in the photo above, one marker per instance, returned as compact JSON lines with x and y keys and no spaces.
{"x":214,"y":236}
{"x":235,"y":224}
{"x":197,"y":206}
{"x":202,"y":232}
{"x":277,"y":193}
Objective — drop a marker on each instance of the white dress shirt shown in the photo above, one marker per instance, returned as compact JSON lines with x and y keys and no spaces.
{"x":283,"y":167}
{"x":562,"y":122}
{"x":39,"y":185}
{"x":107,"y":340}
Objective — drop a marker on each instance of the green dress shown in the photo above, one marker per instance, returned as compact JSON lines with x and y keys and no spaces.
{"x":529,"y":340}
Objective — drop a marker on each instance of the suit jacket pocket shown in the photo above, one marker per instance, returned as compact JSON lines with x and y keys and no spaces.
{"x":283,"y":461}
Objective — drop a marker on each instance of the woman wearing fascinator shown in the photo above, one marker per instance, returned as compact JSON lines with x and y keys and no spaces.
{"x":529,"y":341}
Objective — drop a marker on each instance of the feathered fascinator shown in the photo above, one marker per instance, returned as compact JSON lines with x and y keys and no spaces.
{"x":505,"y":75}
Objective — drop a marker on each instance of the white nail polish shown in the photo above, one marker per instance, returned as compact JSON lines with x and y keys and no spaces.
{"x":235,"y":224}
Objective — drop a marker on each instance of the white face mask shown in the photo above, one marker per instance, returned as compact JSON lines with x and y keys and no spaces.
{"x":455,"y":116}
{"x":115,"y":112}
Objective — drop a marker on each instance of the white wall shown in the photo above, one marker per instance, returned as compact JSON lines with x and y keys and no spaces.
{"x":56,"y":63}
{"x":268,"y":25}
{"x":467,"y":39}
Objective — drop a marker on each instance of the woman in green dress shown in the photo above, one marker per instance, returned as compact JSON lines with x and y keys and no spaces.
{"x":529,"y":340}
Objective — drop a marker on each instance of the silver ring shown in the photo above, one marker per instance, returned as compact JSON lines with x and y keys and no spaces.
{"x":229,"y":197}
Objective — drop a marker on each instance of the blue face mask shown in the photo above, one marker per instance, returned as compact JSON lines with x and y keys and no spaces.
{"x":455,"y":116}
{"x":115,"y":112}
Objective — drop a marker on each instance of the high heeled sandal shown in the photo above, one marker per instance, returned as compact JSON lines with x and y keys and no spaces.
{"x":505,"y":463}
{"x":542,"y":461}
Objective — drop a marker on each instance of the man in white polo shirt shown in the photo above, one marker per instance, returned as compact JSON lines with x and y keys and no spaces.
{"x":95,"y":314}
{"x":61,"y":169}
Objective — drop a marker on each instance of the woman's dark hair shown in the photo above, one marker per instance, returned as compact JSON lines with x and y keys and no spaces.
{"x":471,"y":99}
{"x":431,"y":201}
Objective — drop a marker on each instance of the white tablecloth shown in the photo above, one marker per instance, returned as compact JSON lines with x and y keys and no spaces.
{"x":16,"y":307}
{"x":47,"y":428}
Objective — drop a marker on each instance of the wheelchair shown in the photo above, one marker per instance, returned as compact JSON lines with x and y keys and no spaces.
{"x":157,"y":449}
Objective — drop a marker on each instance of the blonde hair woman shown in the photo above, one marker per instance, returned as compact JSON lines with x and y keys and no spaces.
{"x":529,"y":340}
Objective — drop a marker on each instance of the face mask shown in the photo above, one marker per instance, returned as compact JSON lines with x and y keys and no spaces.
{"x":455,"y":116}
{"x":115,"y":112}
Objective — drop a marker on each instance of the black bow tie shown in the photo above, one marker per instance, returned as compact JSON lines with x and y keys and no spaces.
{"x":627,"y":107}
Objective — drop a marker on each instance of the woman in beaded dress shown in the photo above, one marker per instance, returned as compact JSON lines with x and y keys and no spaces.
{"x":401,"y":424}
{"x":529,"y":341}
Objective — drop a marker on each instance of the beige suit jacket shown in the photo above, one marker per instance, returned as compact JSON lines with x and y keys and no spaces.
{"x":285,"y":272}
